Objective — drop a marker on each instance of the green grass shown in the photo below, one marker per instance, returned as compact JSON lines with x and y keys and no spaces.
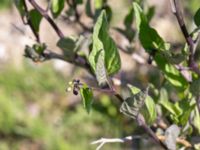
{"x":32,"y":113}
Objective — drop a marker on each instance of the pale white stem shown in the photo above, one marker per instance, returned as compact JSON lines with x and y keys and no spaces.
{"x":103,"y":141}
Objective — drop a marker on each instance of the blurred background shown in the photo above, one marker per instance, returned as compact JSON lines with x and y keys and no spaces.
{"x":36,"y":113}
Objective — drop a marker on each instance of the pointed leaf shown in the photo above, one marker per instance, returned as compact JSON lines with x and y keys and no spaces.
{"x":197,"y":18}
{"x":102,"y":41}
{"x":153,"y":43}
{"x":101,"y":74}
{"x":197,"y":120}
{"x":88,"y":9}
{"x":148,"y":36}
{"x":149,"y":111}
{"x":129,"y":18}
{"x":87,"y":97}
{"x":56,"y":7}
{"x":20,"y":7}
{"x":164,"y":101}
{"x":35,"y":18}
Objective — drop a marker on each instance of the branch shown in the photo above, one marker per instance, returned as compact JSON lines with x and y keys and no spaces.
{"x":78,"y":60}
{"x":178,"y":140}
{"x":177,"y":12}
{"x":47,"y":17}
{"x":141,"y":121}
{"x":103,"y":141}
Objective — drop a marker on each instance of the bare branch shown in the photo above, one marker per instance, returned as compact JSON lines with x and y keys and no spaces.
{"x":103,"y":141}
{"x":141,"y":121}
{"x":162,"y":138}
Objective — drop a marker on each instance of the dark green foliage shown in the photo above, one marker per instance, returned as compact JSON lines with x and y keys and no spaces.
{"x":197,"y":18}
{"x":35,"y":18}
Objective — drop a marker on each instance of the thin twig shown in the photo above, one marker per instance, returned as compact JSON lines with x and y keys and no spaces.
{"x":177,"y":12}
{"x":141,"y":121}
{"x":47,"y":17}
{"x":104,"y":141}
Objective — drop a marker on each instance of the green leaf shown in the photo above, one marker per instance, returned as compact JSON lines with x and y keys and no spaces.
{"x":197,"y":120}
{"x":148,"y":36}
{"x":101,"y":74}
{"x":153,"y":43}
{"x":170,"y":72}
{"x":150,"y":13}
{"x":149,"y":111}
{"x":197,"y":18}
{"x":174,"y":109}
{"x":108,"y":10}
{"x":39,"y":48}
{"x":70,"y":46}
{"x":88,"y":9}
{"x":134,"y":90}
{"x":187,"y":106}
{"x":20,"y":7}
{"x":102,"y":41}
{"x":87,"y":97}
{"x":131,"y":107}
{"x":35,"y":18}
{"x":129,"y":18}
{"x":56,"y":7}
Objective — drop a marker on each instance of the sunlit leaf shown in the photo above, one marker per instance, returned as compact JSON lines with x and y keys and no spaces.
{"x":56,"y":7}
{"x":154,"y":44}
{"x":101,"y":74}
{"x":98,"y":4}
{"x":197,"y":120}
{"x":171,"y":107}
{"x":148,"y":36}
{"x":134,"y":105}
{"x":102,"y":41}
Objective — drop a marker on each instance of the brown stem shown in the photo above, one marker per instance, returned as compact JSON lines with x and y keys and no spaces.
{"x":29,"y":22}
{"x":177,"y":12}
{"x":47,"y":17}
{"x":141,"y":121}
